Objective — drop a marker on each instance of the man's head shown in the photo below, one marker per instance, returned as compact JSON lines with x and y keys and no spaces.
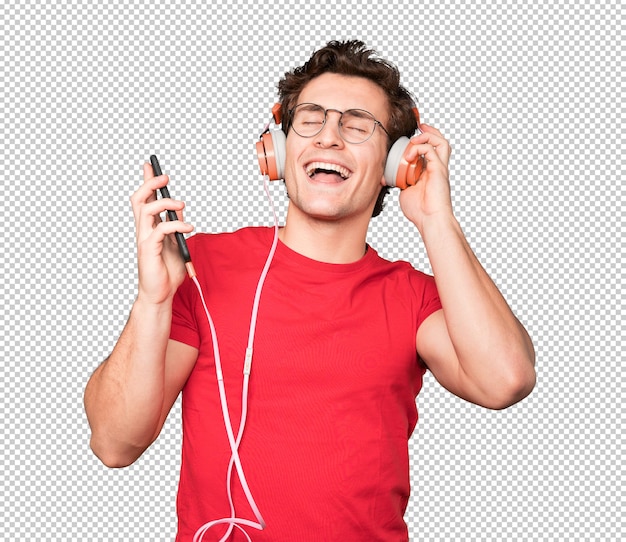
{"x":353,"y":58}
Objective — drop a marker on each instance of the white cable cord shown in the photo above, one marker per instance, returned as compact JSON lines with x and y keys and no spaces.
{"x":234,"y":443}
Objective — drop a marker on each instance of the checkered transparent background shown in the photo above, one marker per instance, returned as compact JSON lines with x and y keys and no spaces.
{"x":530,"y":95}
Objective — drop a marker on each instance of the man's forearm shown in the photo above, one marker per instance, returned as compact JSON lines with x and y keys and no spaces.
{"x":124,"y":396}
{"x":491,"y":344}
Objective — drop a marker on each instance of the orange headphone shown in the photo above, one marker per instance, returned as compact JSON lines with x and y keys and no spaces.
{"x":271,"y":150}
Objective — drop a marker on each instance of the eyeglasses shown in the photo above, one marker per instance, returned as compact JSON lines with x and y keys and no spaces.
{"x":355,"y":125}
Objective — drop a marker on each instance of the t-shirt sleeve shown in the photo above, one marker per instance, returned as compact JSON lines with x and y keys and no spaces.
{"x":430,"y":299}
{"x":184,"y":325}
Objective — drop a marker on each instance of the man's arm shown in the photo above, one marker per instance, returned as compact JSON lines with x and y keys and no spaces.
{"x":128,"y":397}
{"x":475,"y":346}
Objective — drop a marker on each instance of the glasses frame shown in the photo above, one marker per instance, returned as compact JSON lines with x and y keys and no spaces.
{"x":341,"y":113}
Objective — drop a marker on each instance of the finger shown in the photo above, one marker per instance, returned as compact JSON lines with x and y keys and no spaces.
{"x":429,"y":152}
{"x":172,"y":226}
{"x":165,"y":228}
{"x":430,"y":129}
{"x":429,"y":137}
{"x":151,"y":212}
{"x":426,"y":149}
{"x":423,"y":144}
{"x":164,"y":204}
{"x":161,"y":236}
{"x":164,"y":232}
{"x":153,"y":183}
{"x":147,"y":191}
{"x":436,"y":138}
{"x":148,"y":172}
{"x":179,"y":213}
{"x":148,"y":215}
{"x":148,"y":176}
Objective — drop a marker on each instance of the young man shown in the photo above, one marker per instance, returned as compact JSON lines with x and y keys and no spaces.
{"x":343,"y":337}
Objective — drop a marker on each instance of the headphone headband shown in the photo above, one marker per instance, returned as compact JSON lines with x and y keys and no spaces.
{"x":277,"y":112}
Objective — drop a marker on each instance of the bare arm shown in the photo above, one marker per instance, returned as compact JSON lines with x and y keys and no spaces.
{"x":130,"y":394}
{"x":128,"y":397}
{"x":475,"y":347}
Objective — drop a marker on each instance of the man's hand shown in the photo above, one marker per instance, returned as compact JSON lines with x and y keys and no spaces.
{"x":161,"y":269}
{"x":431,"y":194}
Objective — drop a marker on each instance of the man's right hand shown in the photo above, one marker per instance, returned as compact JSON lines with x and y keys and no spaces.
{"x":161,"y":269}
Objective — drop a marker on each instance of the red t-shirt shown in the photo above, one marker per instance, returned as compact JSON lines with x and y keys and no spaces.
{"x":332,"y":394}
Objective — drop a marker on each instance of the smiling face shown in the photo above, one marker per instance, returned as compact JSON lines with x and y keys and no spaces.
{"x":326,"y":177}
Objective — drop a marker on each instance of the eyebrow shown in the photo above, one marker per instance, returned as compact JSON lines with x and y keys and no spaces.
{"x":357,"y":112}
{"x":310,"y":106}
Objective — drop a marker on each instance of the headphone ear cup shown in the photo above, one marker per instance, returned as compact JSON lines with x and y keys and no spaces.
{"x":271,"y":150}
{"x":398,"y":170}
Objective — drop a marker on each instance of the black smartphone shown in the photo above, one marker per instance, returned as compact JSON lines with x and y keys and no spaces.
{"x":180,"y":238}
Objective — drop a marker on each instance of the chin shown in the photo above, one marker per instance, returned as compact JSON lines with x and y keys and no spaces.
{"x":320,"y":212}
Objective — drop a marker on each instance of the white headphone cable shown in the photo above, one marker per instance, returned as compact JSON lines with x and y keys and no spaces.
{"x":235,"y":460}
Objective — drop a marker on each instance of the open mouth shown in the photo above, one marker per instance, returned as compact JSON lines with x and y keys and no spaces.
{"x":324,"y":169}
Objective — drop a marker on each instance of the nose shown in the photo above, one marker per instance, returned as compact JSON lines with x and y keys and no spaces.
{"x":329,"y":134}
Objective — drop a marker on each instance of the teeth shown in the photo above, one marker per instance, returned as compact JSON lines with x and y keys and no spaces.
{"x":310,"y":169}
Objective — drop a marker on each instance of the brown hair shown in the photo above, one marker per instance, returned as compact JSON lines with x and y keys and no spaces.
{"x":353,"y":58}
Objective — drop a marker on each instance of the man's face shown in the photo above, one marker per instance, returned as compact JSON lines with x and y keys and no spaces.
{"x":314,"y":187}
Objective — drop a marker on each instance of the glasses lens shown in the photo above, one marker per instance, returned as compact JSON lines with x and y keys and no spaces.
{"x":308,"y":119}
{"x":357,"y":125}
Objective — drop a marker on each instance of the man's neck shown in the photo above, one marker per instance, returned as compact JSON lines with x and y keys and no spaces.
{"x":324,"y":240}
